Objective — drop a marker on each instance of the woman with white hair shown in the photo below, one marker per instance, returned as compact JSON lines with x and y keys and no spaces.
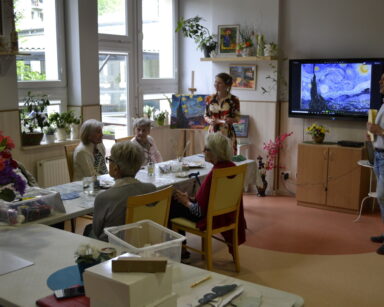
{"x":110,"y":206}
{"x":142,"y":127}
{"x":218,"y":151}
{"x":89,"y":155}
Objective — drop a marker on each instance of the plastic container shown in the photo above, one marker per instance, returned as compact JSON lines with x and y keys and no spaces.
{"x":148,"y":239}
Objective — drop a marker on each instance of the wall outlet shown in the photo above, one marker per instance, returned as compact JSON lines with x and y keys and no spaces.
{"x":286,"y":175}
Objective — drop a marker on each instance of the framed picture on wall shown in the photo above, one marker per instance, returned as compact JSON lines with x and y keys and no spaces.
{"x":244,"y":76}
{"x":241,"y":128}
{"x":228,"y":39}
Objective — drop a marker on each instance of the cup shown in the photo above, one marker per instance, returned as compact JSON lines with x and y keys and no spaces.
{"x":88,"y":187}
{"x":151,"y":169}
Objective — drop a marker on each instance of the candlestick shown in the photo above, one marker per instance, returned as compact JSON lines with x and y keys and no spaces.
{"x":193,"y":79}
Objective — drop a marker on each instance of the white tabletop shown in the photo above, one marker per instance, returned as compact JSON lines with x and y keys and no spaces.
{"x":52,"y":249}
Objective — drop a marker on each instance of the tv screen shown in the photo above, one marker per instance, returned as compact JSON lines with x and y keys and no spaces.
{"x":334,"y":88}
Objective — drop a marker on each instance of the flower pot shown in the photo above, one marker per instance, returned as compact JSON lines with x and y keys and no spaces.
{"x":31,"y":139}
{"x":318,"y":139}
{"x":74,"y":132}
{"x":208,"y":49}
{"x":84,"y":265}
{"x":61,"y":134}
{"x":247,"y":51}
{"x":50,"y":138}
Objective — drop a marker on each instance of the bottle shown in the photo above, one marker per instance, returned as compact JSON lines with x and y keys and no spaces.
{"x":151,"y":168}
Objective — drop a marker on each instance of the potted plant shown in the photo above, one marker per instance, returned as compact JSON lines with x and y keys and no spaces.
{"x":61,"y":121}
{"x":246,"y":45}
{"x":192,"y":28}
{"x":49,"y":133}
{"x":74,"y":123}
{"x":148,"y":111}
{"x":160,"y":117}
{"x":33,"y":119}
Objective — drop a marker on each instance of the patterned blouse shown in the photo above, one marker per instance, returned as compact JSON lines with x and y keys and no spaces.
{"x":228,"y":107}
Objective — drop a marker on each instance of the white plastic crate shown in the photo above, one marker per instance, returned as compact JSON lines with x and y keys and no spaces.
{"x":148,"y":239}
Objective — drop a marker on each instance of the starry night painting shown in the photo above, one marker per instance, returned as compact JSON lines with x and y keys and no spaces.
{"x":333,"y":87}
{"x":187,"y":111}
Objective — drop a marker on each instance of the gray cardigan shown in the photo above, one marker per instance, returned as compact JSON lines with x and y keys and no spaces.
{"x":110,"y":205}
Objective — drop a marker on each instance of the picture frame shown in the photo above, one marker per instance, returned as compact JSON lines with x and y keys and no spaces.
{"x":244,"y":76}
{"x":187,"y":111}
{"x":242,"y":127}
{"x":228,"y":38}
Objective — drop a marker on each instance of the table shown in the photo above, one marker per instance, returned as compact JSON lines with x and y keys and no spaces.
{"x":371,"y":194}
{"x":40,"y":244}
{"x":84,"y":204}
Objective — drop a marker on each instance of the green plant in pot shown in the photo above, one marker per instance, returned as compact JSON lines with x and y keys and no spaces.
{"x":61,"y":121}
{"x":49,"y":134}
{"x":160,"y":117}
{"x":192,"y":28}
{"x":33,"y":119}
{"x":74,"y":123}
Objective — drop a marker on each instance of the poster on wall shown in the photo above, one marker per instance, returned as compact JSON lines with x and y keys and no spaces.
{"x":228,"y":39}
{"x":241,"y":128}
{"x":187,"y":111}
{"x":244,"y":77}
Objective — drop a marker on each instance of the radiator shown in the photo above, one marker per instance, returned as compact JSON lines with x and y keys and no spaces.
{"x":52,"y":172}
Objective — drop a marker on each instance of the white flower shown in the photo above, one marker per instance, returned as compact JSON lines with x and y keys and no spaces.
{"x":225,"y":107}
{"x":95,"y":254}
{"x":82,"y":250}
{"x":214,"y":108}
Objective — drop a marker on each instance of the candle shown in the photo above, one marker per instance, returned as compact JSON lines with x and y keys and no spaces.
{"x":193,"y":79}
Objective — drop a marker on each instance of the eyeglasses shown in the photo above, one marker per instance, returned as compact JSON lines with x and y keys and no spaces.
{"x":109,"y":159}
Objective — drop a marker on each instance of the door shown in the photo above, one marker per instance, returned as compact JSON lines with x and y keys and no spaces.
{"x":312,"y":174}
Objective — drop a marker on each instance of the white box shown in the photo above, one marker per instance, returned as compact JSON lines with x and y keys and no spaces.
{"x":148,"y":239}
{"x":105,"y":288}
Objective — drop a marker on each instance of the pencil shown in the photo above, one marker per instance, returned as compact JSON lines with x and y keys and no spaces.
{"x":200,"y":281}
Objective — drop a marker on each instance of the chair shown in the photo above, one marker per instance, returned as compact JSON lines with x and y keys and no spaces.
{"x":69,"y":149}
{"x":127,"y":138}
{"x":151,"y":206}
{"x":225,"y":197}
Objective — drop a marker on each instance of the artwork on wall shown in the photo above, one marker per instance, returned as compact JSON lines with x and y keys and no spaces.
{"x":228,"y":39}
{"x":241,"y":128}
{"x":187,"y":111}
{"x":244,"y":76}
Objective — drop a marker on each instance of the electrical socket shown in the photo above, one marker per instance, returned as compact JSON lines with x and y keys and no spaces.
{"x":286,"y":175}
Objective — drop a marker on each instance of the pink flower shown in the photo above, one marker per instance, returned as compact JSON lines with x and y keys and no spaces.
{"x":273,"y":149}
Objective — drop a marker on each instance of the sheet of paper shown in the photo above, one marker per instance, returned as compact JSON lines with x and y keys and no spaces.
{"x":10,"y":262}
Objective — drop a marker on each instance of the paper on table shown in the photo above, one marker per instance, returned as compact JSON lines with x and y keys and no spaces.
{"x":10,"y":262}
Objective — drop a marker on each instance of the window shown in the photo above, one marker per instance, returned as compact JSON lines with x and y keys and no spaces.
{"x":37,"y":23}
{"x":158,"y":102}
{"x":112,"y":17}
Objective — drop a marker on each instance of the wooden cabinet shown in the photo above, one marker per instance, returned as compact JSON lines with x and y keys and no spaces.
{"x":329,"y":177}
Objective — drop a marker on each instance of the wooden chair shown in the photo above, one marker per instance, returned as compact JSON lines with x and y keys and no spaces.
{"x":127,"y":138}
{"x":69,"y":149}
{"x":151,"y":206}
{"x":225,"y":197}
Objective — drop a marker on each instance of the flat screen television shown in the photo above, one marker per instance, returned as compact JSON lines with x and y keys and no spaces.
{"x":334,"y":88}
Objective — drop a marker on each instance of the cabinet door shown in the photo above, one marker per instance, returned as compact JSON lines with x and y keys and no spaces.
{"x":344,"y":176}
{"x":312,"y":174}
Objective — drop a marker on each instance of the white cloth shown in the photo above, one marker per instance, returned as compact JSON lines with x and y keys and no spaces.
{"x":83,"y":161}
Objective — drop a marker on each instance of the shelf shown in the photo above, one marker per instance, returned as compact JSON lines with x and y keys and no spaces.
{"x":248,"y":59}
{"x":45,"y":145}
{"x":13,"y":53}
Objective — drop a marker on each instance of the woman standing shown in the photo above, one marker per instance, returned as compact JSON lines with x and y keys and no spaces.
{"x":89,"y":155}
{"x":223,"y":109}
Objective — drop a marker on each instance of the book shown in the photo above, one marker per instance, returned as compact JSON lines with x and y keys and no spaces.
{"x":51,"y":300}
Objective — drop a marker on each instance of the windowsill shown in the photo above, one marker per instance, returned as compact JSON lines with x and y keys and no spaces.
{"x":45,"y":145}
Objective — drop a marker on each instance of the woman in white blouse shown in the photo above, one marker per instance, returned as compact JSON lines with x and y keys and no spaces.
{"x":89,"y":155}
{"x":142,"y":128}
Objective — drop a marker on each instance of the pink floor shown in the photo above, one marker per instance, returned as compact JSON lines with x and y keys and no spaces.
{"x":278,"y":223}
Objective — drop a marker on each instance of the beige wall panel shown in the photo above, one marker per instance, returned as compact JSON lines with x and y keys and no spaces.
{"x":89,"y":112}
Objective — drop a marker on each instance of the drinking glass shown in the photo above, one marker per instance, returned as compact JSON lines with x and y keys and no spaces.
{"x":88,"y":187}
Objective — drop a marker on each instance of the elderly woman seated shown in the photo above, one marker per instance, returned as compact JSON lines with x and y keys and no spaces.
{"x":142,"y":128}
{"x":217,"y":151}
{"x":89,"y":155}
{"x":125,"y":161}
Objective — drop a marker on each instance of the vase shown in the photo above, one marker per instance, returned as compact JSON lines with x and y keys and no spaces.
{"x":50,"y":138}
{"x":247,"y":51}
{"x":85,"y":265}
{"x":61,"y":134}
{"x":31,"y":139}
{"x":318,"y":139}
{"x":74,"y":132}
{"x":261,"y":189}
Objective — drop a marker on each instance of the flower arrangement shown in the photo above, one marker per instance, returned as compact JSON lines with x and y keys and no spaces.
{"x":88,"y":254}
{"x":10,"y":181}
{"x":272,"y":148}
{"x":246,"y":35}
{"x":317,"y":130}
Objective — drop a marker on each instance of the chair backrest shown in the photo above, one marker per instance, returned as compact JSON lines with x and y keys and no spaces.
{"x":127,"y":138}
{"x":226,"y":191}
{"x":69,"y":149}
{"x":151,"y":206}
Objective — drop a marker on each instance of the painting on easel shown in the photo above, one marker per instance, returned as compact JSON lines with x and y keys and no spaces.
{"x":187,"y":111}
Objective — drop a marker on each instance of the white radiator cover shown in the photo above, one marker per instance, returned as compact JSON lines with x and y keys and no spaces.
{"x":51,"y":172}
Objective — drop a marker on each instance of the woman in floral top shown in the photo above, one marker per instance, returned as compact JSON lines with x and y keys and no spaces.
{"x":223,"y":109}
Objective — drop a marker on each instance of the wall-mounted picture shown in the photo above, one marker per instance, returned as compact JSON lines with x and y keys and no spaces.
{"x":244,"y":76}
{"x":228,"y":39}
{"x":187,"y":111}
{"x":241,"y":128}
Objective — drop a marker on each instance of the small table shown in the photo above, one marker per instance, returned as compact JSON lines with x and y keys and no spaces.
{"x":371,"y":194}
